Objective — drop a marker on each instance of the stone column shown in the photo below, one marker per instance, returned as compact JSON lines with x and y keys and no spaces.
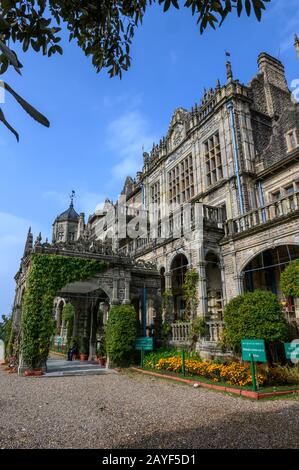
{"x":127,"y":300}
{"x":202,"y":290}
{"x":223,"y":285}
{"x":168,"y":311}
{"x":92,"y":334}
{"x":240,"y":283}
{"x":168,"y":281}
{"x":115,"y":300}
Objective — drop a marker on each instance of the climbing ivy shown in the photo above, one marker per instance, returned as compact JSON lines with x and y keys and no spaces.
{"x":47,"y":275}
{"x":190,"y":292}
{"x":68,"y":314}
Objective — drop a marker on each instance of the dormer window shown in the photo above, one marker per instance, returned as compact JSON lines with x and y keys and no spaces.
{"x":291,"y":139}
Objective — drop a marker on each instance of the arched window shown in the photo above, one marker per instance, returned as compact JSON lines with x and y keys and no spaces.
{"x":178,"y":270}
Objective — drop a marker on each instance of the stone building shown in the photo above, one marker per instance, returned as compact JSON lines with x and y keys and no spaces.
{"x":218,"y":193}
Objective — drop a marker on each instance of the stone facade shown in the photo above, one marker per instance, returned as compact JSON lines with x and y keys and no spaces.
{"x":219,"y":193}
{"x":234,"y":159}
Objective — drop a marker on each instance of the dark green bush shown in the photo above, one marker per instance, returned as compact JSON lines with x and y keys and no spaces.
{"x":289,"y":280}
{"x":84,"y":345}
{"x":254,"y":315}
{"x":121,"y":332}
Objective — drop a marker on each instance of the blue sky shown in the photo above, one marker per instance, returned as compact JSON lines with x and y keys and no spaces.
{"x":99,"y":125}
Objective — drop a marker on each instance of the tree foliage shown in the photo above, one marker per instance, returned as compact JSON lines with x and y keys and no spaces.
{"x":121,"y":331}
{"x":254,"y":315}
{"x":102,"y":29}
{"x":5,"y":331}
{"x":289,"y":280}
{"x":47,"y":275}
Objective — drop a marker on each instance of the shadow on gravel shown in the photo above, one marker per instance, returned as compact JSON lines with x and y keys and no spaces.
{"x":248,"y":430}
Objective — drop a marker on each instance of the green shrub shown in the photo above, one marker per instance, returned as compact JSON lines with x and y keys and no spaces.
{"x":282,"y":375}
{"x":121,"y":332}
{"x":6,"y":334}
{"x":198,"y":327}
{"x":84,"y":345}
{"x":166,"y":330}
{"x":68,"y":313}
{"x":289,"y":280}
{"x":254,"y":315}
{"x":101,"y":348}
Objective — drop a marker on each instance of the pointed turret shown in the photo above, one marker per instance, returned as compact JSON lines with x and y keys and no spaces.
{"x":65,"y":226}
{"x":28,"y":244}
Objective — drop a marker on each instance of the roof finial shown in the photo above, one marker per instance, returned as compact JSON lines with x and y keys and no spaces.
{"x":229,"y":71}
{"x":72,"y":196}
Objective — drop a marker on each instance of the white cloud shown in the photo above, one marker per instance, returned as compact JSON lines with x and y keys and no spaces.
{"x":13,"y":232}
{"x":281,"y":9}
{"x":126,"y":136}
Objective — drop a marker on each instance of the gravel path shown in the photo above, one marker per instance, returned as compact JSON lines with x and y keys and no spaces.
{"x":131,"y":411}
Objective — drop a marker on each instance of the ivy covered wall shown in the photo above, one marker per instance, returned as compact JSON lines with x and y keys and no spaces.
{"x":47,"y":275}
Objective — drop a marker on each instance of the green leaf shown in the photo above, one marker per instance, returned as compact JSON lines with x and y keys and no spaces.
{"x":2,"y":119}
{"x":27,"y":107}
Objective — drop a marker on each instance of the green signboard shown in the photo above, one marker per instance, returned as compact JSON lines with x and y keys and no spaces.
{"x":253,"y":349}
{"x":292,"y":350}
{"x":145,"y":344}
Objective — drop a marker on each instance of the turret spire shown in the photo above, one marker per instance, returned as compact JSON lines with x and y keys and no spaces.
{"x":29,"y":243}
{"x":72,"y":196}
{"x":229,"y":70}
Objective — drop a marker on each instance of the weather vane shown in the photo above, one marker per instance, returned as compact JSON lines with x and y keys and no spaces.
{"x":72,"y":196}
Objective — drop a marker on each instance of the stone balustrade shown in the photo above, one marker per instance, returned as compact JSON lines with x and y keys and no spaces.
{"x":181,"y":332}
{"x":215,"y":329}
{"x":277,"y":209}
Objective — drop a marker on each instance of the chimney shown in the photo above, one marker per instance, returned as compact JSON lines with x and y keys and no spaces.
{"x":273,"y":71}
{"x":81,"y":225}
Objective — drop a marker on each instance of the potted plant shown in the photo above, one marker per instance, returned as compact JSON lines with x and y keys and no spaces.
{"x":84,"y":349}
{"x":101,"y":351}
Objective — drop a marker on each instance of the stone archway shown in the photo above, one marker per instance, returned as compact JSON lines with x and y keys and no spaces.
{"x":178,"y":269}
{"x":263,"y":270}
{"x":88,"y":299}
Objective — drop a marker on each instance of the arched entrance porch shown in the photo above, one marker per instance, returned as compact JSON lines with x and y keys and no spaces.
{"x":91,"y":306}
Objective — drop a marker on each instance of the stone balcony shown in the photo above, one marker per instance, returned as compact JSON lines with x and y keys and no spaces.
{"x":181,"y":332}
{"x":274,"y":212}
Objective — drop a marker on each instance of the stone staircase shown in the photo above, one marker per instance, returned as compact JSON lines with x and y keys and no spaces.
{"x":62,"y":368}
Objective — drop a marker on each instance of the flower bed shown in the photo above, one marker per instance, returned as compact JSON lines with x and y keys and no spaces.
{"x":234,"y":373}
